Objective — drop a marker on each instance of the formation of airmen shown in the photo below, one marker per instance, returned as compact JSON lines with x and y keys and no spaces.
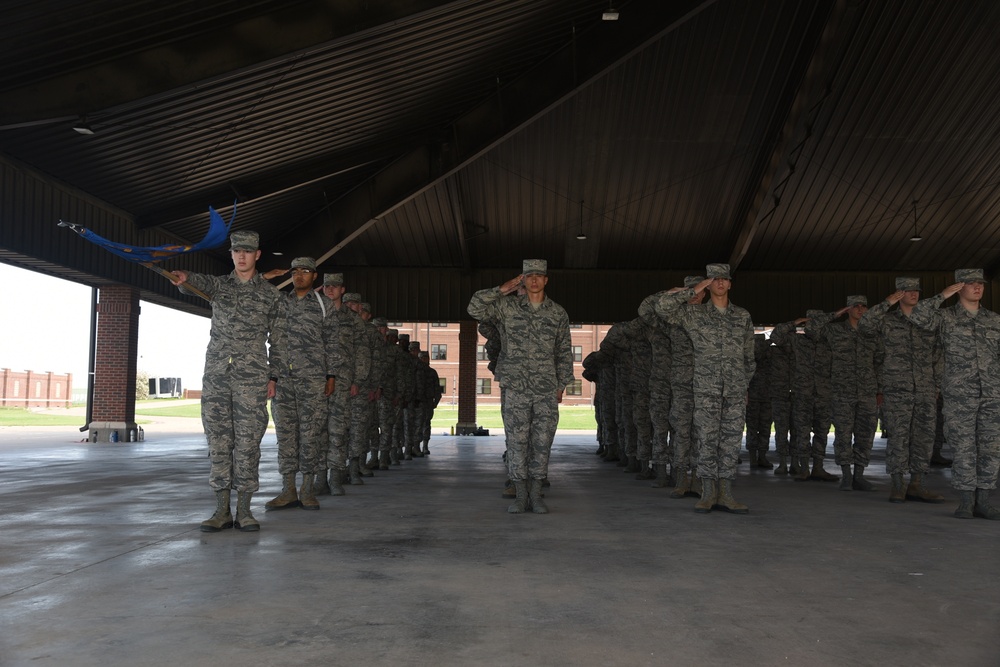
{"x":349,"y":395}
{"x":677,"y":385}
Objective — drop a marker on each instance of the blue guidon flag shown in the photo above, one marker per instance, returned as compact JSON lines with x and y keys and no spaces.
{"x":218,"y":232}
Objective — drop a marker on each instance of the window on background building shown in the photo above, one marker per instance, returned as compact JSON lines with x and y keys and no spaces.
{"x":17,"y":387}
{"x":38,"y":390}
{"x":443,"y":382}
{"x":58,"y":390}
{"x":483,"y":386}
{"x":576,"y":326}
{"x":439,"y":352}
{"x":439,"y":325}
{"x":575,"y":388}
{"x":394,"y":325}
{"x":578,"y":353}
{"x":481,"y":353}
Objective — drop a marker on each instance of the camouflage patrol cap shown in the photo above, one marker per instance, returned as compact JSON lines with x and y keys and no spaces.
{"x":813,"y":314}
{"x":908,"y":284}
{"x":351,"y":297}
{"x":969,"y":276}
{"x":404,"y":338}
{"x":857,"y":300}
{"x":534,"y":266}
{"x":304,"y":263}
{"x":414,"y":345}
{"x":718,"y":271}
{"x":333,"y":280}
{"x":692,"y":281}
{"x":392,"y":333}
{"x":244,"y":240}
{"x":424,"y":355}
{"x":366,"y":307}
{"x":380,"y":322}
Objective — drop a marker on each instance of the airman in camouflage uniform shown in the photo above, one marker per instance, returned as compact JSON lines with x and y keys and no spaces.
{"x":854,"y":355}
{"x":300,"y":401}
{"x":240,"y":375}
{"x":684,"y":460}
{"x":779,"y":388}
{"x":721,"y":336}
{"x":642,"y":352}
{"x":361,"y":403}
{"x":379,"y":362}
{"x":537,"y":366}
{"x":759,"y":406}
{"x":429,"y":400}
{"x":617,"y":344}
{"x":591,"y":373}
{"x":385,"y":408}
{"x":910,"y":372}
{"x":660,"y":397}
{"x":408,"y":381}
{"x":970,"y":336}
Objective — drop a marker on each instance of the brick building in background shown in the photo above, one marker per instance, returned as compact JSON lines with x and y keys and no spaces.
{"x":440,"y":339}
{"x":31,"y":389}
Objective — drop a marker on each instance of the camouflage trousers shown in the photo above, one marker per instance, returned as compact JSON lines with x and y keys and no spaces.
{"x":399,"y":426}
{"x":659,"y":414}
{"x":412,"y":428}
{"x":910,"y":422}
{"x":609,"y":418}
{"x":338,"y":427}
{"x":597,"y":414}
{"x":972,"y":428}
{"x":626,"y":422}
{"x":387,"y":413}
{"x":822,"y":421}
{"x":427,"y":415}
{"x":781,"y":413}
{"x":854,"y":422}
{"x":758,"y":425}
{"x":299,"y":411}
{"x":643,"y":426}
{"x":718,"y":433}
{"x":803,"y":421}
{"x":361,"y":413}
{"x":234,"y":415}
{"x":530,"y":423}
{"x":682,"y":427}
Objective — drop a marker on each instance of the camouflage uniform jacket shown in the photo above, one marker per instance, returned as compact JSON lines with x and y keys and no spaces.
{"x":971,"y":343}
{"x":722,"y":342}
{"x":779,"y":382}
{"x":390,"y":381}
{"x":758,"y":388}
{"x":247,"y":328}
{"x":376,"y":343}
{"x":854,"y":355}
{"x":310,"y":333}
{"x":912,"y":360}
{"x":407,"y":371}
{"x":537,"y":358}
{"x":348,"y":366}
{"x":617,"y":345}
{"x":642,"y":352}
{"x":489,"y":331}
{"x":658,"y":335}
{"x":800,"y":349}
{"x":400,"y":361}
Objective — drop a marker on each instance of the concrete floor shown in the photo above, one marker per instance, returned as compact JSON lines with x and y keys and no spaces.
{"x":102,"y":563}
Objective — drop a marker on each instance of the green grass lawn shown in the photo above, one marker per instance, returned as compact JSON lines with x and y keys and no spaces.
{"x":22,"y":417}
{"x":576,"y":417}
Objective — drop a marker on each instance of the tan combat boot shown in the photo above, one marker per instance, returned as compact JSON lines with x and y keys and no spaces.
{"x":306,"y":496}
{"x":782,"y":468}
{"x":683,"y":487}
{"x":898,"y":494}
{"x":320,"y":487}
{"x":521,"y":503}
{"x":244,"y":519}
{"x":982,"y":508}
{"x":917,"y":491}
{"x":535,"y":496}
{"x":222,"y":518}
{"x":709,"y":493}
{"x":726,"y":502}
{"x":858,"y":482}
{"x":818,"y":472}
{"x":964,"y":509}
{"x":287,"y":498}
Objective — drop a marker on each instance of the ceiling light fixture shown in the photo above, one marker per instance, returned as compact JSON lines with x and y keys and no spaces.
{"x":916,"y":235}
{"x":581,"y":236}
{"x":83,"y":127}
{"x":610,"y":14}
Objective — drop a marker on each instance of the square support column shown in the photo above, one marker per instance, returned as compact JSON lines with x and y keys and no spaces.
{"x":468,"y":337}
{"x":115,"y":358}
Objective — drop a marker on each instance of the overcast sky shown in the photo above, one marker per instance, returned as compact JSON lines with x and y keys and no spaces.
{"x":46,"y":327}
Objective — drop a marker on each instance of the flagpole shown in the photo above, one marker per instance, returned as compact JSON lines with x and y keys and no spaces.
{"x":170,"y":276}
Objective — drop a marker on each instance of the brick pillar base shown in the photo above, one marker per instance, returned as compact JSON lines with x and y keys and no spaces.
{"x":113,"y":411}
{"x":468,"y":337}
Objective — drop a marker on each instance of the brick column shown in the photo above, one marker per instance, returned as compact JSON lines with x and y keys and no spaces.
{"x":114,"y":363}
{"x":468,"y":337}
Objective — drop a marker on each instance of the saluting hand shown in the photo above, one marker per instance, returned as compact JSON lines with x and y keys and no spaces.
{"x":511,"y":285}
{"x":895,"y":297}
{"x":949,"y":291}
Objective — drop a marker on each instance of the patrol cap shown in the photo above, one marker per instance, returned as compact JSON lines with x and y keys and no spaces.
{"x":392,"y":333}
{"x":414,"y":345}
{"x":366,"y":307}
{"x":424,"y":355}
{"x":304,"y":263}
{"x":333,"y":280}
{"x":692,"y":281}
{"x":244,"y":240}
{"x":380,"y":322}
{"x":857,"y":300}
{"x":718,"y":271}
{"x":403,"y":338}
{"x":350,"y":297}
{"x":534,"y":266}
{"x":813,"y":314}
{"x":908,"y":284}
{"x":969,"y":276}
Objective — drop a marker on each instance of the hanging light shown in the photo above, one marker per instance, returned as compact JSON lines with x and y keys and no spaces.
{"x":581,"y":236}
{"x":610,"y":14}
{"x":916,"y":235}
